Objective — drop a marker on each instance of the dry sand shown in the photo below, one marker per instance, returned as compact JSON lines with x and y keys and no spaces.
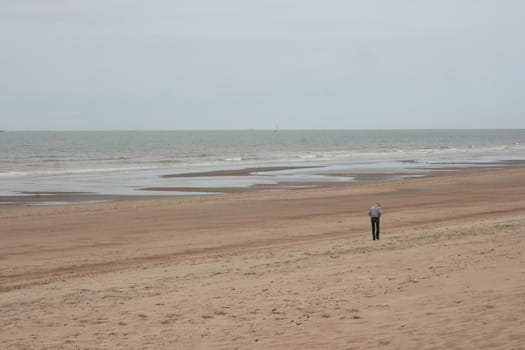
{"x":276,"y":270}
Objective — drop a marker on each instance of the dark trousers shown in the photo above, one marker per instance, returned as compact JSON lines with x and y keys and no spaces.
{"x":375,"y":228}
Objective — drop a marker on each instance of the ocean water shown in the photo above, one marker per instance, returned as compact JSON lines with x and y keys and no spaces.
{"x":125,"y":162}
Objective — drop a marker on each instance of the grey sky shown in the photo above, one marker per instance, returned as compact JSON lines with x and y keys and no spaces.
{"x":241,"y":64}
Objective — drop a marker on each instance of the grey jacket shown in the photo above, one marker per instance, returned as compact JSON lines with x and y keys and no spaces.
{"x":375,"y":211}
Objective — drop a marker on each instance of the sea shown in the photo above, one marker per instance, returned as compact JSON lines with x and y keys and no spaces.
{"x":127,"y":162}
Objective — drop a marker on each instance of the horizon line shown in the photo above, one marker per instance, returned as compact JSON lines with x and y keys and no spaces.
{"x":255,"y":129}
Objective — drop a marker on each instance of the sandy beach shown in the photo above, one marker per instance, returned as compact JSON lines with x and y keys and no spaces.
{"x":287,"y":269}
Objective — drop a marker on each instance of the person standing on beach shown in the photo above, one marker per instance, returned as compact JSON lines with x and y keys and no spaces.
{"x":375,"y":212}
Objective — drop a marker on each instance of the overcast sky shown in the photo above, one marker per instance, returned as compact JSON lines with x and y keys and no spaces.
{"x":261,"y":64}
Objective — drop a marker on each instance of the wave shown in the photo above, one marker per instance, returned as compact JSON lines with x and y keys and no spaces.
{"x":53,"y":165}
{"x":46,"y":173}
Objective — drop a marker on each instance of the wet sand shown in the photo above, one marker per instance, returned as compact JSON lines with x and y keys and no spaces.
{"x":273,"y":270}
{"x":238,"y":172}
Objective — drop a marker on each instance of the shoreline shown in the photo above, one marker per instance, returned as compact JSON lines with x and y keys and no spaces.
{"x":43,"y":198}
